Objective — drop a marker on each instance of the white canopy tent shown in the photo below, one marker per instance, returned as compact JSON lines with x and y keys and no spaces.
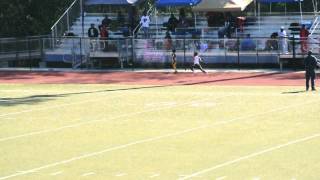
{"x":222,"y":5}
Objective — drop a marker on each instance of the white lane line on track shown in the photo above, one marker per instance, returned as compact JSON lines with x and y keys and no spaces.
{"x":56,"y":173}
{"x":102,"y":120}
{"x":179,"y":133}
{"x":253,"y":155}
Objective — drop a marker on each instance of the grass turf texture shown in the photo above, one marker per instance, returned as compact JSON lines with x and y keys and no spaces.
{"x":144,"y":132}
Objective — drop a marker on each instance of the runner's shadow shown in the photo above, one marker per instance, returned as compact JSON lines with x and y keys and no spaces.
{"x":36,"y":99}
{"x":294,"y":92}
{"x":29,"y":100}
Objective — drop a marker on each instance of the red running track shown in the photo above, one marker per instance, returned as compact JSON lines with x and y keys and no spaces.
{"x":155,"y":78}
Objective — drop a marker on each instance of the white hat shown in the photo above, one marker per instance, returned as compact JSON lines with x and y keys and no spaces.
{"x":281,"y":27}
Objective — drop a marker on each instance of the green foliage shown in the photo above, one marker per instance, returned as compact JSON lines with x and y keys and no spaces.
{"x":29,"y":17}
{"x":35,"y":17}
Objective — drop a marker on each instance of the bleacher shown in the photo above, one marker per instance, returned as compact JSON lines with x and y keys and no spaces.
{"x":257,"y":27}
{"x":268,"y":24}
{"x":95,"y":19}
{"x":68,"y":48}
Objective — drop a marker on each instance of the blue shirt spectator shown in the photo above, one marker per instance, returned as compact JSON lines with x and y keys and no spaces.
{"x":248,"y":44}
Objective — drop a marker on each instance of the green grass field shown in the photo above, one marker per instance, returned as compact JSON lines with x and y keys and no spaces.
{"x":176,"y":132}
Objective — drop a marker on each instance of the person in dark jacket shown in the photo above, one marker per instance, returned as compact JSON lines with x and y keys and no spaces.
{"x":93,"y":32}
{"x":310,"y":63}
{"x":172,"y":23}
{"x":106,"y":21}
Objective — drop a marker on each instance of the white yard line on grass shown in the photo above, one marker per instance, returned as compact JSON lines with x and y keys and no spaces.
{"x":69,"y":104}
{"x":56,"y":173}
{"x":103,"y":120}
{"x":121,"y":174}
{"x":221,"y":178}
{"x":253,"y":155}
{"x":88,"y":174}
{"x":143,"y":141}
{"x":57,"y":106}
{"x":154,"y":175}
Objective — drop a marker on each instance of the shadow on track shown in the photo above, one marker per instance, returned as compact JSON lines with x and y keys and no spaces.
{"x":294,"y":92}
{"x":35,"y":99}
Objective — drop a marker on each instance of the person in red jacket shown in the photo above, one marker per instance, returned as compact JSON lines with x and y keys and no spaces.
{"x":104,"y":36}
{"x":304,"y":33}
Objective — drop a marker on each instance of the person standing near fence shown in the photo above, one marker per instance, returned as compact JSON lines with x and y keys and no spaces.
{"x":304,"y":34}
{"x":93,"y":34}
{"x":311,"y":62}
{"x":196,"y":62}
{"x":174,"y":61}
{"x":145,"y":23}
{"x":103,"y":37}
{"x":283,"y":40}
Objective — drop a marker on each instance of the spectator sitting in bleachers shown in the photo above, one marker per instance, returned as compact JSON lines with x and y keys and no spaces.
{"x":247,"y":44}
{"x":182,"y":14}
{"x":69,"y":34}
{"x":272,"y":43}
{"x":240,"y":23}
{"x":182,"y":26}
{"x":125,"y":30}
{"x":182,"y":22}
{"x":172,"y":23}
{"x":231,"y":45}
{"x":106,"y":21}
{"x":211,"y":19}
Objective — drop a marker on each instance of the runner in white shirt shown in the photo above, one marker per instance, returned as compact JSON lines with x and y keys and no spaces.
{"x":196,"y":63}
{"x":145,"y":23}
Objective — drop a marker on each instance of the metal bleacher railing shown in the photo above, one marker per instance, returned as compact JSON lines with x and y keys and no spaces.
{"x":314,"y":34}
{"x":14,"y":49}
{"x":64,"y":23}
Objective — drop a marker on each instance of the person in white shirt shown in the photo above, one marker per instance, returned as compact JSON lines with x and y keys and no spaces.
{"x":283,"y":40}
{"x":145,"y":23}
{"x":196,"y":63}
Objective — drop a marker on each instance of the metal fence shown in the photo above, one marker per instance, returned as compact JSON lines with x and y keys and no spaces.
{"x":76,"y":52}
